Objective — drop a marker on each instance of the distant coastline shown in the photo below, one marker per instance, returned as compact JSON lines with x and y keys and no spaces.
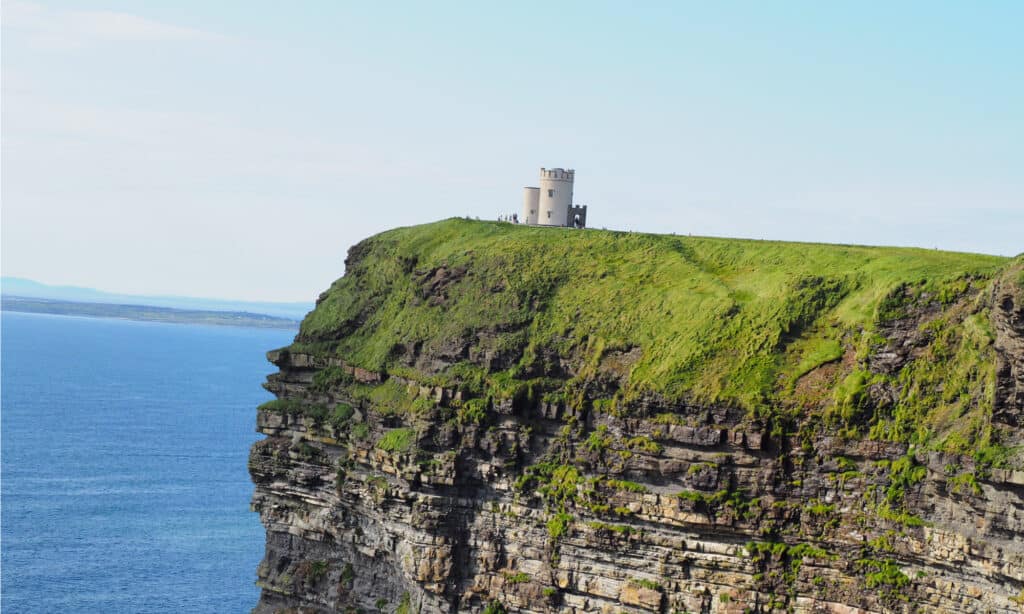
{"x":147,"y":313}
{"x":28,"y":288}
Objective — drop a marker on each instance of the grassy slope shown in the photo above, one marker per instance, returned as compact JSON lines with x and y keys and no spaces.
{"x":716,"y":320}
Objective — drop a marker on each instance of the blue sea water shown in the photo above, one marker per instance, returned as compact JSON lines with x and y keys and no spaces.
{"x":124,"y":482}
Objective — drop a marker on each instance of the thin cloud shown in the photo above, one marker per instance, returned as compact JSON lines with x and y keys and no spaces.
{"x":59,"y":29}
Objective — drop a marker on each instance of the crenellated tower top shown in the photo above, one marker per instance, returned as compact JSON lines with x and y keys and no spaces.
{"x":557,"y":174}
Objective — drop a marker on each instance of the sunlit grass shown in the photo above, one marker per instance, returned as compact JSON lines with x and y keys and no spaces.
{"x":715,"y":320}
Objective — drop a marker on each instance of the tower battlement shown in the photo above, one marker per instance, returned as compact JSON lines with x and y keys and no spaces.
{"x":557,"y":174}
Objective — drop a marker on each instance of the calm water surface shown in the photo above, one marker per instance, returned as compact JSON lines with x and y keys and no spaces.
{"x":124,"y":465}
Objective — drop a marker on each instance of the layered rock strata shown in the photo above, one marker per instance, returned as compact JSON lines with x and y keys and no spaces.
{"x":396,"y":491}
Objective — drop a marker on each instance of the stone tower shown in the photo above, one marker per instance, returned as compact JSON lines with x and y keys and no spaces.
{"x":531,"y":205}
{"x":555,"y":197}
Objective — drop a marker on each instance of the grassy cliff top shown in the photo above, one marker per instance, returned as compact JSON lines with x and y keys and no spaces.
{"x":701,"y":319}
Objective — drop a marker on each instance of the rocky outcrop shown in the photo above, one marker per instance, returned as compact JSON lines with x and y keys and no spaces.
{"x":1008,"y":321}
{"x":399,"y":491}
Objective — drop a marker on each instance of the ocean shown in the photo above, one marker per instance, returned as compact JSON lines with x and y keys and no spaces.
{"x":124,"y":482}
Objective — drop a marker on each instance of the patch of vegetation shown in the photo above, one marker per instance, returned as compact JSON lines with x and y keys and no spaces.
{"x":904,"y":473}
{"x":317,"y":570}
{"x":398,"y":440}
{"x":692,"y":495}
{"x":883,"y":543}
{"x":695,"y":468}
{"x":404,"y":605}
{"x":625,"y":485}
{"x":392,"y":398}
{"x":669,"y":419}
{"x":645,"y":583}
{"x":621,"y":529}
{"x":992,"y":456}
{"x":559,"y":525}
{"x":557,"y":482}
{"x":779,"y":550}
{"x":815,"y":352}
{"x":845,"y":464}
{"x":884,"y":576}
{"x":780,"y":562}
{"x":377,"y":485}
{"x":734,"y":499}
{"x":473,"y":411}
{"x":947,"y":393}
{"x":518,"y":577}
{"x":341,"y":415}
{"x":330,"y":379}
{"x":360,"y":431}
{"x":284,"y":406}
{"x":306,"y":451}
{"x":598,"y":440}
{"x":818,"y":508}
{"x":851,"y":405}
{"x":644,"y":444}
{"x":494,"y":607}
{"x":563,"y":483}
{"x":901,"y":516}
{"x":295,"y":407}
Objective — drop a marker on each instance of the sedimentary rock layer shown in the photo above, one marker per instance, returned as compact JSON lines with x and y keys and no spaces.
{"x":873,"y":465}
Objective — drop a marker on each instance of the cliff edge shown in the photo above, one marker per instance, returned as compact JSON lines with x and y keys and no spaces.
{"x":483,"y":417}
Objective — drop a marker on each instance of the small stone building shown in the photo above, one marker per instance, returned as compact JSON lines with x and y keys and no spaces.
{"x":551,"y":203}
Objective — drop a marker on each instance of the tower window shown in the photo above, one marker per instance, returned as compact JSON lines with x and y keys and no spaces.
{"x":549,"y":215}
{"x":551,"y":193}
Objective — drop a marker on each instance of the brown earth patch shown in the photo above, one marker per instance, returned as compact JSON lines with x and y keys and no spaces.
{"x":815,"y":387}
{"x":617,"y":364}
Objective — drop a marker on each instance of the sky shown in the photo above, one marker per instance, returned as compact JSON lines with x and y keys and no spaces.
{"x":238,"y":149}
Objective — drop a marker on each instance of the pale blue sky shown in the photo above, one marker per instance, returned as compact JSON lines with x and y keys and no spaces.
{"x":237,"y":149}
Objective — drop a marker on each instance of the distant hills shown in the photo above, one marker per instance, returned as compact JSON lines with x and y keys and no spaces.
{"x":27,"y":288}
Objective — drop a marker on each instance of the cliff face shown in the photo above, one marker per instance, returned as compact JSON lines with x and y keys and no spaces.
{"x":482,"y":417}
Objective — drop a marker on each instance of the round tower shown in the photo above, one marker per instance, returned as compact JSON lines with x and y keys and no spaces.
{"x":531,"y":205}
{"x":555,"y":196}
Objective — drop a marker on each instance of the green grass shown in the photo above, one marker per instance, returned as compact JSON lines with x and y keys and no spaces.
{"x":559,"y":524}
{"x":360,"y":431}
{"x":405,"y":605}
{"x":391,"y":398}
{"x":715,"y":320}
{"x":904,"y":473}
{"x":341,"y":415}
{"x":494,"y":607}
{"x":621,"y":529}
{"x":317,"y":570}
{"x":815,"y":352}
{"x":625,"y":485}
{"x":518,"y":577}
{"x":398,"y":440}
{"x":883,"y":574}
{"x":645,"y":583}
{"x":330,"y":378}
